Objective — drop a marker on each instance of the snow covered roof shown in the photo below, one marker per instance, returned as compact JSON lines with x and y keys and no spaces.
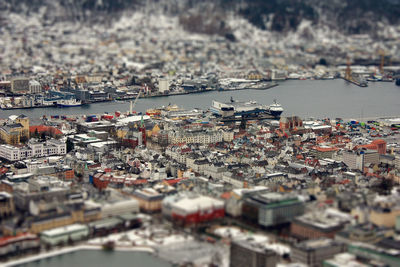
{"x":187,"y":205}
{"x":64,"y":230}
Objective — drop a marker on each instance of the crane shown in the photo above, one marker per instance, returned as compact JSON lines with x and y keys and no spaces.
{"x":134,"y":102}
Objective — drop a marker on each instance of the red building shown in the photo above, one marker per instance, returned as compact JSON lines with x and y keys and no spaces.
{"x":290,"y":123}
{"x":11,"y":245}
{"x":378,"y":145}
{"x":103,"y":180}
{"x":194,"y":210}
{"x":39,"y":129}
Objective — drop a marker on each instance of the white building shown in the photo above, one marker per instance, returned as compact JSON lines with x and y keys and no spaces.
{"x":192,"y":137}
{"x":33,"y":150}
{"x":163,"y":85}
{"x":35,"y":87}
{"x":62,"y":235}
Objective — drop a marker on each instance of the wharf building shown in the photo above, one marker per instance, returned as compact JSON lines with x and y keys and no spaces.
{"x":35,"y":87}
{"x":63,"y":235}
{"x":20,"y":86}
{"x":17,"y":244}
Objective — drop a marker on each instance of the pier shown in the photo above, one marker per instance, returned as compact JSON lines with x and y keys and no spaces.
{"x":356,"y":82}
{"x":247,"y":118}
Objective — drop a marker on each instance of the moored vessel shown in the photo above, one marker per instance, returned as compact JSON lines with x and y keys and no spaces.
{"x":245,"y":108}
{"x":68,"y":103}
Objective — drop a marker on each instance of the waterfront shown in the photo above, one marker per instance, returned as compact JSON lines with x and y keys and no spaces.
{"x":310,"y":98}
{"x":99,"y":258}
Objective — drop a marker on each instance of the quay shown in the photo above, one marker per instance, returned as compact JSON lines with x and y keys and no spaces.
{"x":354,"y":81}
{"x":246,"y":118}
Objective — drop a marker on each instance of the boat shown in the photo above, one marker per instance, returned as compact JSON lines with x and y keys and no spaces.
{"x":69,"y":103}
{"x":153,"y":112}
{"x":248,"y":108}
{"x":275,"y":109}
{"x":262,"y":86}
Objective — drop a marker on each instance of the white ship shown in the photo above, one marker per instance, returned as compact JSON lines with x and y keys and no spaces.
{"x":69,"y":103}
{"x":246,"y":108}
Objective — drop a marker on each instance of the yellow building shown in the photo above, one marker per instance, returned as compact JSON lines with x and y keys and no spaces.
{"x":7,"y":207}
{"x":15,"y":130}
{"x":149,"y":200}
{"x":385,"y":218}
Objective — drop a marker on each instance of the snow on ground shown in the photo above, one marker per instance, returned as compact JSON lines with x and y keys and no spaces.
{"x":235,"y":233}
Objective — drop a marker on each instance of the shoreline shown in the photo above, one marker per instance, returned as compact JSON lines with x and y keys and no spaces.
{"x":269,"y":86}
{"x":288,"y":93}
{"x":67,"y":250}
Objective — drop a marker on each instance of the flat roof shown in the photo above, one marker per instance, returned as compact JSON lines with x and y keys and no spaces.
{"x":64,"y":230}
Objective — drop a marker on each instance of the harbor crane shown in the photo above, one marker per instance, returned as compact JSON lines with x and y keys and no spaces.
{"x":133,"y":104}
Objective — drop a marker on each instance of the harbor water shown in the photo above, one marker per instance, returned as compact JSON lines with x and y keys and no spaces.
{"x":309,"y":98}
{"x":99,"y":258}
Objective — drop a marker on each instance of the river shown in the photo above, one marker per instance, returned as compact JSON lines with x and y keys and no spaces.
{"x":309,"y":98}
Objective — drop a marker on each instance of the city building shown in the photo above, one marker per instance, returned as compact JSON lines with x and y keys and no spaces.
{"x":271,"y":209}
{"x":358,"y":159}
{"x":19,"y":243}
{"x":163,"y":85}
{"x":384,"y":211}
{"x":245,"y":253}
{"x":192,"y":209}
{"x":121,"y":207}
{"x":314,"y":252}
{"x":195,"y":136}
{"x":20,"y":86}
{"x":323,"y":152}
{"x":149,"y":199}
{"x":35,"y":87}
{"x":7,"y":207}
{"x":319,"y":224}
{"x":15,"y":130}
{"x":51,"y":147}
{"x":290,"y":123}
{"x":365,"y":233}
{"x":389,"y":257}
{"x":344,"y":260}
{"x":65,"y":234}
{"x":378,"y":145}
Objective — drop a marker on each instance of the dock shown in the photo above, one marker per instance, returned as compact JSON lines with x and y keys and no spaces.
{"x":356,"y":82}
{"x":247,"y":118}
